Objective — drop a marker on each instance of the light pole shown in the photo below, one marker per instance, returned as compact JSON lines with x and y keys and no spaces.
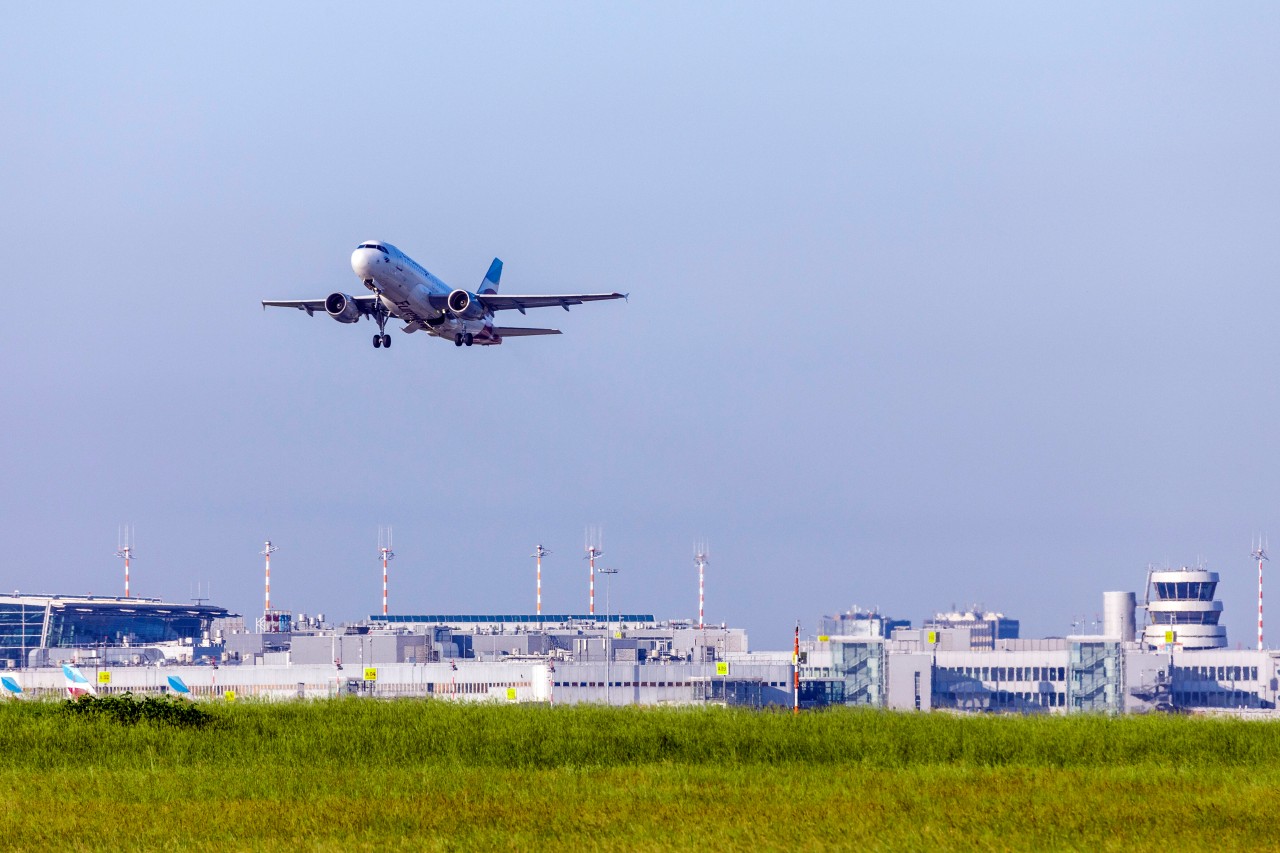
{"x":608,"y":639}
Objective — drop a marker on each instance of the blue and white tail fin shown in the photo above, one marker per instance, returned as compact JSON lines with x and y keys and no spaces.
{"x":12,"y":689}
{"x":492,"y":278}
{"x":77,"y":684}
{"x":178,"y":686}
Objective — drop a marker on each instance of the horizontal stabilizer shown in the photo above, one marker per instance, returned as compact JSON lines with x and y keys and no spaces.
{"x":511,"y":332}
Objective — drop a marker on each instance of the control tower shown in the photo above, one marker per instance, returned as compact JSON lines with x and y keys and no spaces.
{"x":1183,"y":612}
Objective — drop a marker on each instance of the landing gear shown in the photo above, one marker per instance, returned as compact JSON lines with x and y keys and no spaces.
{"x":457,"y":340}
{"x":467,"y":339}
{"x":380,"y":315}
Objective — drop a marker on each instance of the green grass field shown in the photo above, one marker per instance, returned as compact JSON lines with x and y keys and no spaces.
{"x":415,"y":775}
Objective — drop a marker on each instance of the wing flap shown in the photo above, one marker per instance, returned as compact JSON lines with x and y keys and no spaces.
{"x":503,"y":302}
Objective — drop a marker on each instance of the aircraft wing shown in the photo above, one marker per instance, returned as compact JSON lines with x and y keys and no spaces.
{"x":511,"y":332}
{"x":502,"y":302}
{"x":364,"y":303}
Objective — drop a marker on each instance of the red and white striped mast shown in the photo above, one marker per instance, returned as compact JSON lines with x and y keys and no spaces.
{"x":539,"y":553}
{"x":267,"y":552}
{"x":701,"y":555}
{"x":384,"y":548}
{"x":124,"y":550}
{"x":795,"y":666}
{"x":1260,"y":554}
{"x":593,"y":550}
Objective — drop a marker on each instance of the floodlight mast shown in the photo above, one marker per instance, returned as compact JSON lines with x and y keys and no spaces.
{"x":608,"y":639}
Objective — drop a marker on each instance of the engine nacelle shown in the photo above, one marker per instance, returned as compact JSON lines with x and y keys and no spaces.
{"x":342,"y":308}
{"x":465,"y":305}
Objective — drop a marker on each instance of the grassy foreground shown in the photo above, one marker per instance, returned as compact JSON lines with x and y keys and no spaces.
{"x":361,"y":774}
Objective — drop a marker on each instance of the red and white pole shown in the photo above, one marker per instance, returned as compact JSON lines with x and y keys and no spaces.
{"x":384,"y":548}
{"x":702,"y":565}
{"x":125,"y":550}
{"x":384,"y":581}
{"x":266,"y":597}
{"x":538,"y":553}
{"x":795,"y":664}
{"x":591,"y":558}
{"x":1260,"y":555}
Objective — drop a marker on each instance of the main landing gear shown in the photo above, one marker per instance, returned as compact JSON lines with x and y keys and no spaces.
{"x":382,"y":341}
{"x":460,"y":339}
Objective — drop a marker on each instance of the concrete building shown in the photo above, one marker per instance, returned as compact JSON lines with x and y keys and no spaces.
{"x":985,"y":628}
{"x":861,"y":623}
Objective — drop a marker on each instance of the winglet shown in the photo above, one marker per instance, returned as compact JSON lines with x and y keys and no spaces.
{"x":492,"y":278}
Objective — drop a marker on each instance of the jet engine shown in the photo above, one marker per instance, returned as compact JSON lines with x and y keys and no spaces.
{"x":465,"y":306}
{"x":342,"y":308}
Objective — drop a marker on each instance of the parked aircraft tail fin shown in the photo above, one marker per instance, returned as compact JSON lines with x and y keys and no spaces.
{"x":492,"y":278}
{"x":77,"y":684}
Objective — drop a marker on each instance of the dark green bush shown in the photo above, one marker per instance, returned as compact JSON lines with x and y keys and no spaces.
{"x":129,"y":710}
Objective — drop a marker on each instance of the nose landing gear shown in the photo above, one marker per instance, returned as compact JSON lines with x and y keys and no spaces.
{"x":380,"y":315}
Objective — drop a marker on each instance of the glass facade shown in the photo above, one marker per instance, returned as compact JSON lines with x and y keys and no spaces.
{"x":1095,"y":677}
{"x":1187,"y":590}
{"x":30,"y":622}
{"x":1185,"y":617}
{"x":21,"y":627}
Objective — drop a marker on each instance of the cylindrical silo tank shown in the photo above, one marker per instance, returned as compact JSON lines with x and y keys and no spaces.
{"x":1118,"y":615}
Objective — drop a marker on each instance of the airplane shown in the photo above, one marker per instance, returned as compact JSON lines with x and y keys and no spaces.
{"x":403,"y":289}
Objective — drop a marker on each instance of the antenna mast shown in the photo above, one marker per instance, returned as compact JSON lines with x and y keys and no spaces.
{"x":701,"y":556}
{"x":1260,"y":554}
{"x":384,"y":548}
{"x":124,"y":550}
{"x":594,"y":549}
{"x":267,"y":552}
{"x":539,"y":553}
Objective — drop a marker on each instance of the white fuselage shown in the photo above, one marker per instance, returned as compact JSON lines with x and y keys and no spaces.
{"x":409,"y":292}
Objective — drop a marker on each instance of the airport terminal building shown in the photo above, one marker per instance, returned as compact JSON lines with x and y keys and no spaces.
{"x":43,"y":629}
{"x":962,"y":662}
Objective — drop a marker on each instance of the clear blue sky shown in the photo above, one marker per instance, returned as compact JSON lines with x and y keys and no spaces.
{"x":930,"y":305}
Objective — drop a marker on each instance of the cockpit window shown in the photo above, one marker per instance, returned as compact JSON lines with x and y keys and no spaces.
{"x":373,"y":246}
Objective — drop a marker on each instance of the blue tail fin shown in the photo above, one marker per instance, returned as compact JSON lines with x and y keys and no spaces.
{"x":491,"y":279}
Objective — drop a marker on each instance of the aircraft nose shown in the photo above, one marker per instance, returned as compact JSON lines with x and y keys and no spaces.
{"x":360,"y":262}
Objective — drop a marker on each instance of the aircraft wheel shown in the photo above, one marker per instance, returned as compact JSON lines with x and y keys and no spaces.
{"x":386,"y":341}
{"x":377,"y":340}
{"x":457,"y":340}
{"x":467,"y":339}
